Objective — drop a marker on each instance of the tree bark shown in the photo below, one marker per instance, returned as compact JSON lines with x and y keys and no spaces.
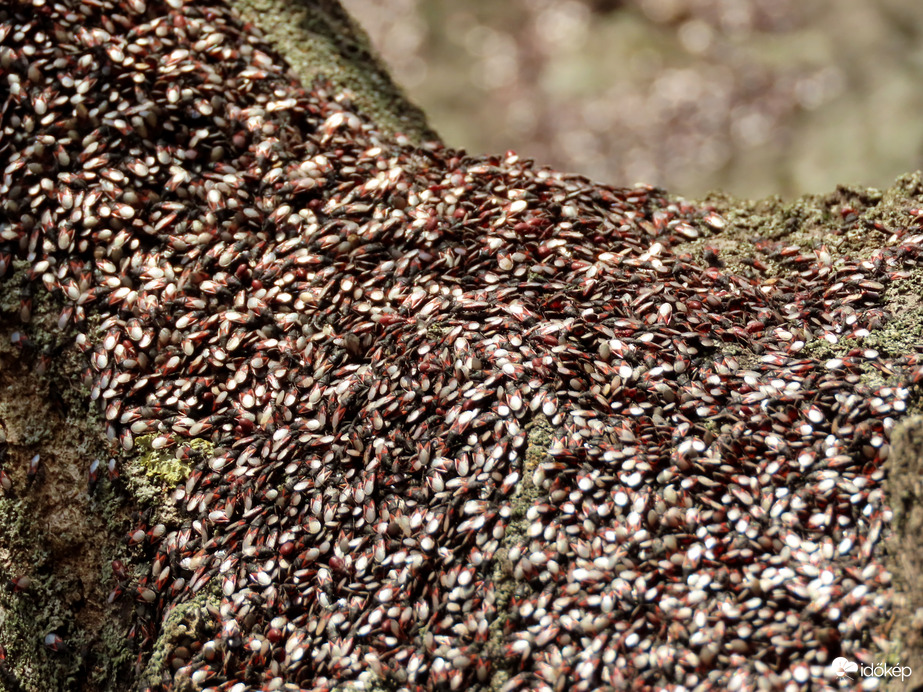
{"x":87,"y":500}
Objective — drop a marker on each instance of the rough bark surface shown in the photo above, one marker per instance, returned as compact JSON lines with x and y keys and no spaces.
{"x":69,"y":521}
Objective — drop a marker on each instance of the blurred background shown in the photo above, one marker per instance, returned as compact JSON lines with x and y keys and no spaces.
{"x":754,"y":97}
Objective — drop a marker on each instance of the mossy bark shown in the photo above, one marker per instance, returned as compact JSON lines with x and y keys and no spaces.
{"x":62,"y":532}
{"x":320,"y":40}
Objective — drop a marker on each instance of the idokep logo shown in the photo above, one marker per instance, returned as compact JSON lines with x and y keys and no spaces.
{"x":843,"y":668}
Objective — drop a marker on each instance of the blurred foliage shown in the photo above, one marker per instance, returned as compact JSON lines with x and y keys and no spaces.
{"x":751,"y":96}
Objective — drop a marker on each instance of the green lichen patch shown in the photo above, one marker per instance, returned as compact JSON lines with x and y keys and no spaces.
{"x":170,"y":467}
{"x":437,"y":330}
{"x":151,"y":474}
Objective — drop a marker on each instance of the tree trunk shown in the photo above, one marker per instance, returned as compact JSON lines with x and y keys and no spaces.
{"x":295,"y":397}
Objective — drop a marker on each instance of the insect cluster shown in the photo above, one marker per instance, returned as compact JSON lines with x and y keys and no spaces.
{"x":472,"y":423}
